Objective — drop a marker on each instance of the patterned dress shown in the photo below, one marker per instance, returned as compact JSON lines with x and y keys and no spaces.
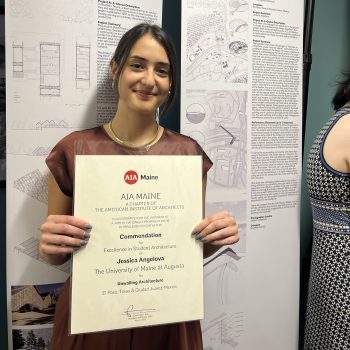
{"x":328,"y":309}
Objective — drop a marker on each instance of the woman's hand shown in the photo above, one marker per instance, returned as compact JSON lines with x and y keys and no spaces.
{"x":218,"y":229}
{"x":61,"y":235}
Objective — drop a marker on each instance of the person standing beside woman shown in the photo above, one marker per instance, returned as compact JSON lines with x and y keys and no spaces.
{"x":328,"y":175}
{"x":144,"y":77}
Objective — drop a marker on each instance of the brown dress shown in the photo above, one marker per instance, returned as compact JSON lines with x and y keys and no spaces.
{"x":177,"y":336}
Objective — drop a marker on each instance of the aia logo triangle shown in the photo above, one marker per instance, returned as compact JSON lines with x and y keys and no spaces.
{"x":131,"y":177}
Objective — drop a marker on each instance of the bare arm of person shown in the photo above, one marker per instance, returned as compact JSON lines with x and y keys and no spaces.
{"x":336,"y":150}
{"x":61,"y":233}
{"x":216,"y":230}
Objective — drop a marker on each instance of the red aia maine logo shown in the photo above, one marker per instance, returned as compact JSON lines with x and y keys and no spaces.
{"x":131,"y":177}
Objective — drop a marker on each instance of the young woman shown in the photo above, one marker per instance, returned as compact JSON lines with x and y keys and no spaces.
{"x":328,"y":176}
{"x":144,"y":77}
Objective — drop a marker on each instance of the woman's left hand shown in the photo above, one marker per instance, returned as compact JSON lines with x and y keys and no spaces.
{"x":218,"y":229}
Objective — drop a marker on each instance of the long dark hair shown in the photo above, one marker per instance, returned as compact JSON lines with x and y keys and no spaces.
{"x":342,"y":95}
{"x":128,"y":40}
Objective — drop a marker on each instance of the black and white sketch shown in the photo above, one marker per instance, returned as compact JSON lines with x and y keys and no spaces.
{"x":17,"y":62}
{"x":34,"y":184}
{"x":82,"y":66}
{"x":50,"y":69}
{"x":217,"y":41}
{"x":217,"y":120}
{"x":30,"y":247}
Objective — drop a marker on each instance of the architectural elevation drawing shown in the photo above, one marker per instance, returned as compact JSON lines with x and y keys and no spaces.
{"x":217,"y":41}
{"x":17,"y":61}
{"x":30,"y":150}
{"x":82,"y":54}
{"x":41,"y":125}
{"x":50,"y":75}
{"x":51,"y":124}
{"x":51,"y":69}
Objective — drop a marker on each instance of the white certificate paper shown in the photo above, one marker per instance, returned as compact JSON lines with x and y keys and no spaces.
{"x":141,"y":266}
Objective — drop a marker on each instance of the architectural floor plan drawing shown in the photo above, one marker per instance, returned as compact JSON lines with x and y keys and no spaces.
{"x":217,"y":121}
{"x":217,"y":34}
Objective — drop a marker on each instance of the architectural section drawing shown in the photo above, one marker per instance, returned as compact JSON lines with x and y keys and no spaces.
{"x":50,"y":69}
{"x":17,"y":63}
{"x":217,"y":41}
{"x":30,"y":247}
{"x":82,"y":77}
{"x":224,"y":324}
{"x":222,"y":270}
{"x":34,"y":185}
{"x":218,"y":121}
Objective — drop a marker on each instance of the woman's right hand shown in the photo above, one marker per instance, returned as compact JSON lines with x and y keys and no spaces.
{"x":61,"y":235}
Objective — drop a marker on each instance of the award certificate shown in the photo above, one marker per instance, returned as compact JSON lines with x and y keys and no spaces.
{"x":141,"y":266}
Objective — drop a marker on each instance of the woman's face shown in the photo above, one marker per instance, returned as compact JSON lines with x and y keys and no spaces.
{"x":145,"y":80}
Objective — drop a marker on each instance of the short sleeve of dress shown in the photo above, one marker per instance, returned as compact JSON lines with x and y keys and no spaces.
{"x":61,"y":164}
{"x":207,"y":163}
